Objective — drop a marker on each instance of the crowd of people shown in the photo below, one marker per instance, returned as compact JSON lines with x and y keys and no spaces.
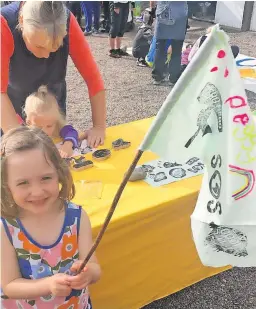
{"x":36,"y":184}
{"x":159,"y":42}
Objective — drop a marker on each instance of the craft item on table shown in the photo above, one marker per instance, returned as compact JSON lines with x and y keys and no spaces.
{"x":82,"y":165}
{"x":138,"y":174}
{"x":120,"y":144}
{"x":161,"y":172}
{"x":101,"y":154}
{"x":78,"y":160}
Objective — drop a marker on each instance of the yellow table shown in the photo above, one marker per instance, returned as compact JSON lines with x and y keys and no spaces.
{"x":147,"y":252}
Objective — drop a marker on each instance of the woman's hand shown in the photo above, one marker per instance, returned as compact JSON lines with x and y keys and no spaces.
{"x":59,"y":285}
{"x":95,"y":136}
{"x":89,"y":275}
{"x":66,"y":150}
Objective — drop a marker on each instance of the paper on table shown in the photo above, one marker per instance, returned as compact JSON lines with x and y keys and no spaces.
{"x":162,"y":172}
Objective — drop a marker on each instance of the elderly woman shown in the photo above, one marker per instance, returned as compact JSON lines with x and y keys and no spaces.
{"x":37,"y":37}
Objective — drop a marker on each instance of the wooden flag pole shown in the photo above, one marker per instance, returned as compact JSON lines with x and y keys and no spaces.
{"x":111,"y":210}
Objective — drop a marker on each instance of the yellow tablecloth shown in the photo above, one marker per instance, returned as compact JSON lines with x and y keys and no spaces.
{"x":147,"y":252}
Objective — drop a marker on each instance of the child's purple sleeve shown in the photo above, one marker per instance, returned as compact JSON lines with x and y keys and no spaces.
{"x":68,"y":133}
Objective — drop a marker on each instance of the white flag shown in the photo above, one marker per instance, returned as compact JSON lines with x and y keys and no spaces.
{"x":206,"y":115}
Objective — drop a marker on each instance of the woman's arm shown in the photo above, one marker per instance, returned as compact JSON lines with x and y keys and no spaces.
{"x":81,"y":55}
{"x":9,"y":118}
{"x":8,"y":115}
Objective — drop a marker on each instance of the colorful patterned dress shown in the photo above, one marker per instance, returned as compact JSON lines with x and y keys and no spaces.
{"x":37,"y":261}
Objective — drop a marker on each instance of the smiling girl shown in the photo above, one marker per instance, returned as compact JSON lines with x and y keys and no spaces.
{"x":44,"y":235}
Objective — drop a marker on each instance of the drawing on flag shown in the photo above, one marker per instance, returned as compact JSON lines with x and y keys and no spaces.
{"x":206,"y":115}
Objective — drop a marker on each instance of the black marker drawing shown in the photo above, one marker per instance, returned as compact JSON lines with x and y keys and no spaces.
{"x":159,"y":164}
{"x":227,"y":240}
{"x":192,"y":160}
{"x":152,"y":176}
{"x":211,"y":97}
{"x":177,"y":172}
{"x":196,"y":168}
{"x":170,"y":164}
{"x":148,"y":168}
{"x":215,"y":184}
{"x":160,"y":177}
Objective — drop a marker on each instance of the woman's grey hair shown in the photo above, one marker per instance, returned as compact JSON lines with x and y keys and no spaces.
{"x":50,"y":16}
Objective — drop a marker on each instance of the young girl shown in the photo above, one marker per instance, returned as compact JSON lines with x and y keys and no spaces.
{"x":42,"y":111}
{"x":45,"y":237}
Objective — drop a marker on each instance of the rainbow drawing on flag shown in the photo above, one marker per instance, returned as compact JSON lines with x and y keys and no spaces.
{"x":250,"y":181}
{"x":247,"y":70}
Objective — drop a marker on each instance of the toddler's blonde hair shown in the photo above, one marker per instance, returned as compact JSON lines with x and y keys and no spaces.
{"x":22,"y":139}
{"x":42,"y":101}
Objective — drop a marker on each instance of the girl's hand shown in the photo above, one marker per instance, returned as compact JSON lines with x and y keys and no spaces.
{"x":82,"y":280}
{"x":95,"y":136}
{"x":66,"y":150}
{"x":59,"y":285}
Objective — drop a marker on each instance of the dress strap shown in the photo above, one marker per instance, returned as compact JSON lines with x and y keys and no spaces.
{"x":73,"y":216}
{"x":11,"y":227}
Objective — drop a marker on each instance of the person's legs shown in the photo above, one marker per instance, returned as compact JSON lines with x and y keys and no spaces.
{"x":159,"y":61}
{"x":79,"y":15}
{"x":114,"y":28}
{"x":106,"y":12}
{"x":124,"y":12}
{"x":87,"y":9}
{"x":75,"y":9}
{"x":175,"y":62}
{"x":96,"y":15}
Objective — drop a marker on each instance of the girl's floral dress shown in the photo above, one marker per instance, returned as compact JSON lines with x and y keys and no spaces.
{"x":36,"y":261}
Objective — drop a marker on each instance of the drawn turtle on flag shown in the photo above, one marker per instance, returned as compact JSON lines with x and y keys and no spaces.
{"x":227,"y":240}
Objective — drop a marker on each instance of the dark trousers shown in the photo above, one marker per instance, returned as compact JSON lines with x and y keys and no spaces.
{"x":75,"y":8}
{"x":106,"y":13}
{"x":174,"y":67}
{"x":118,"y":21}
{"x":91,"y":9}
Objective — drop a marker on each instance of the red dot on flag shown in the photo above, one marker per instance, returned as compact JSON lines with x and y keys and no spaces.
{"x":221,"y":54}
{"x":214,"y":69}
{"x":226,"y":72}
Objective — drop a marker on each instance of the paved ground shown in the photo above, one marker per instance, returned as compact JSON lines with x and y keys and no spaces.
{"x":131,"y":96}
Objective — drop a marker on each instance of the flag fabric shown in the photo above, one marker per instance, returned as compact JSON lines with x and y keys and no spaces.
{"x":206,"y":115}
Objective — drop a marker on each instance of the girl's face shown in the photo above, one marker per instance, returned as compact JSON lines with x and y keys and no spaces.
{"x":32,"y":181}
{"x":47,"y":122}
